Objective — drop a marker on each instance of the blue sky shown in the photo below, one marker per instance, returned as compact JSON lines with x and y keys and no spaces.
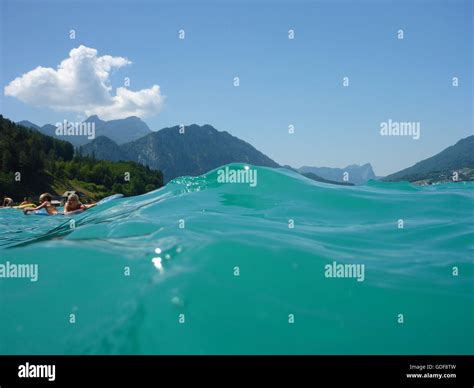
{"x":282,"y":81}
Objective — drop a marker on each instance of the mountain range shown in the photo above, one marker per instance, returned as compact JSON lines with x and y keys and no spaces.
{"x":120,"y":131}
{"x":203,"y":148}
{"x":194,"y":152}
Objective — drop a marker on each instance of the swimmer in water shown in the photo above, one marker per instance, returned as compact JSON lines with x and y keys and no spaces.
{"x":73,"y":204}
{"x":45,"y":203}
{"x":25,"y":202}
{"x":7,"y":202}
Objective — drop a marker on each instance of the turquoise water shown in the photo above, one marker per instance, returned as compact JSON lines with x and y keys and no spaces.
{"x":192,"y":303}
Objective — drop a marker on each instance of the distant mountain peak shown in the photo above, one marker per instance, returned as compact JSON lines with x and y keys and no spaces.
{"x":128,"y":120}
{"x":29,"y":124}
{"x":357,"y":174}
{"x":120,"y":131}
{"x":197,"y":126}
{"x":365,"y":165}
{"x":93,"y":119}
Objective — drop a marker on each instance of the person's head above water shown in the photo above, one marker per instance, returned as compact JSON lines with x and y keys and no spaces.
{"x":73,"y":201}
{"x":45,"y":197}
{"x":7,"y":202}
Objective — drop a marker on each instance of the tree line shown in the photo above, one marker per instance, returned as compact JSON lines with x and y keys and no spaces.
{"x":32,"y":163}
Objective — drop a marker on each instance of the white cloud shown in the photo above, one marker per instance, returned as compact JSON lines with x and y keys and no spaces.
{"x":81,"y":84}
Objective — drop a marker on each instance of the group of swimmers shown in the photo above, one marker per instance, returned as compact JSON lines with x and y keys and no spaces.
{"x":8,"y":202}
{"x":72,"y":204}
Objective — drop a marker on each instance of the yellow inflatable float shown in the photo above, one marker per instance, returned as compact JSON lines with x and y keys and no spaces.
{"x":24,"y":206}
